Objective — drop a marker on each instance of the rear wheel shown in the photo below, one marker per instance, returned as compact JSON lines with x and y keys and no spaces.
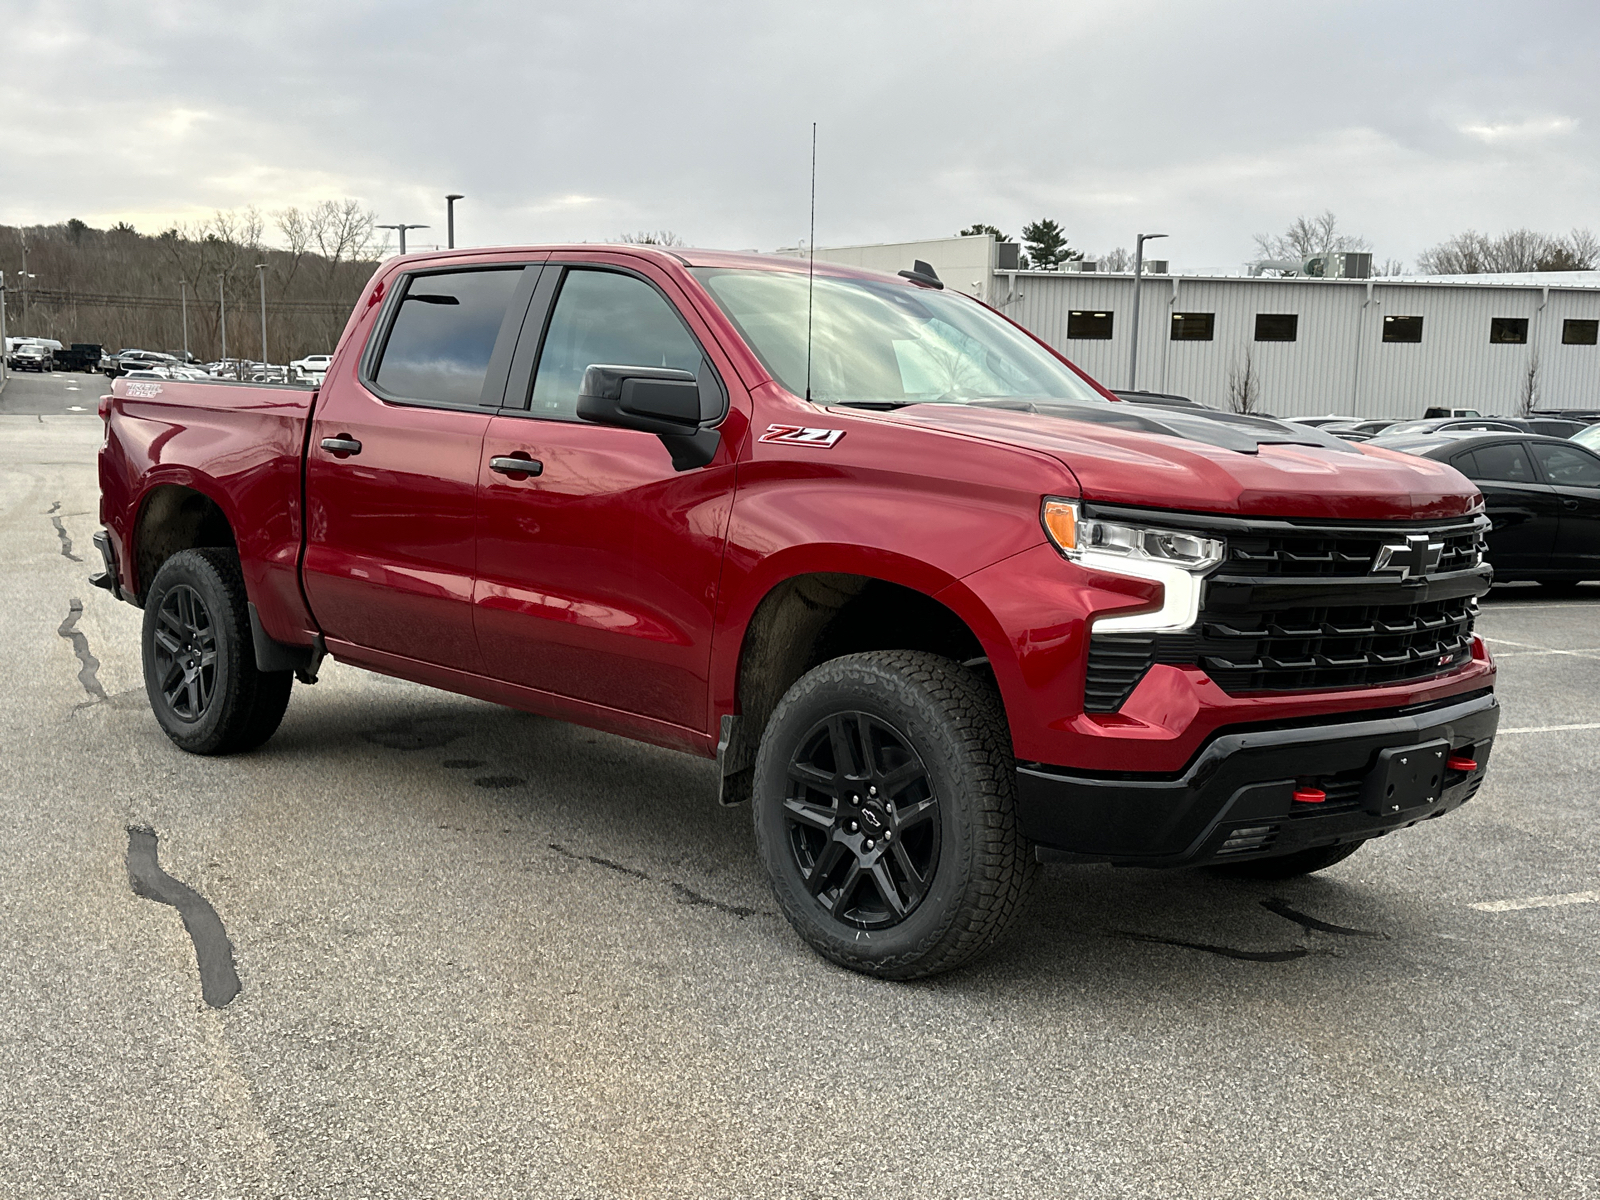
{"x":199,"y":661}
{"x":1292,"y":866}
{"x":885,"y":814}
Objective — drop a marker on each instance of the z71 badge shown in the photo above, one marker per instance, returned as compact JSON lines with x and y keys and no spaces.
{"x":799,"y":434}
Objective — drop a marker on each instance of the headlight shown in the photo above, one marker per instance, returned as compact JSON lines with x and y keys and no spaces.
{"x":1174,"y":559}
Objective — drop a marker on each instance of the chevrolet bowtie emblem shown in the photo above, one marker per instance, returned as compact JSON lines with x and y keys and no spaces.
{"x":1415,"y":556}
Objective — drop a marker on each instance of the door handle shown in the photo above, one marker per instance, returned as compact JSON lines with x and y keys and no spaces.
{"x":509,"y":465}
{"x":343,"y":444}
{"x":1568,"y":503}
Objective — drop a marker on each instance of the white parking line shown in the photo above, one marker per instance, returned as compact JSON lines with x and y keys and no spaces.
{"x":1528,"y":648}
{"x":1537,"y":902}
{"x":1549,"y":728}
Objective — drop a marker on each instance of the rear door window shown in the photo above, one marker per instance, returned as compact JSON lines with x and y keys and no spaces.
{"x":1569,"y":466}
{"x":1466,"y":464}
{"x":1505,"y":463}
{"x":443,"y":335}
{"x":608,"y":318}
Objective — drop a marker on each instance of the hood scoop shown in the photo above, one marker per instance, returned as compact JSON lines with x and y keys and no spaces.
{"x":1230,"y":431}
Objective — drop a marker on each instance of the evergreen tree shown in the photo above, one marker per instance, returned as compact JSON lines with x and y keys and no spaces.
{"x":1047,"y":245}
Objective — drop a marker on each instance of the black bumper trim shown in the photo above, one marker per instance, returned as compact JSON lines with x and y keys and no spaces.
{"x":1236,"y":800}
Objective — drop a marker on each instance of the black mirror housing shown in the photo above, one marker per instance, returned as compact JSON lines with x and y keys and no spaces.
{"x":661,"y":400}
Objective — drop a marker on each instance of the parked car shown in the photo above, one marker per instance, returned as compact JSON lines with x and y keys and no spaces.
{"x":1543,"y":498}
{"x":933,"y":603}
{"x":80,"y":356}
{"x":1589,"y":437}
{"x":130,"y":360}
{"x":1359,"y":431}
{"x":1430,"y":414}
{"x":311,"y":364}
{"x":31,"y":356}
{"x":1411,"y":429}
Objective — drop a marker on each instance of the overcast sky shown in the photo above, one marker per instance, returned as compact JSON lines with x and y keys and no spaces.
{"x":578,"y":121}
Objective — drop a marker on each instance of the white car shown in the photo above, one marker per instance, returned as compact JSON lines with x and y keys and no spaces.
{"x":312,"y":364}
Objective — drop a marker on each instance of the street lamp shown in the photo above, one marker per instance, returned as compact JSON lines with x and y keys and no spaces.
{"x":1138,"y":280}
{"x":261,"y":274}
{"x":450,"y":217}
{"x":402,"y":230}
{"x":222,"y":310}
{"x":183,"y":301}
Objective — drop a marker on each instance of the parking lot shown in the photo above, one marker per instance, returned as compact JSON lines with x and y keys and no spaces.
{"x":487,"y":954}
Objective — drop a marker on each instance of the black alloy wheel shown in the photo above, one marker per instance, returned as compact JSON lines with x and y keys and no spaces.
{"x":200,"y":672}
{"x":862,"y":820}
{"x":185,"y":653}
{"x":884,"y":798}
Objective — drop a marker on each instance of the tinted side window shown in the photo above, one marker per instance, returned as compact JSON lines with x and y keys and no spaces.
{"x":1277,"y":327}
{"x":1579,"y":332}
{"x":1192,"y":327}
{"x":443,"y":335}
{"x":1402,"y":329}
{"x":1567,"y":466}
{"x":1089,"y":325}
{"x":605,"y":317}
{"x":1466,"y":464}
{"x":1506,"y":463}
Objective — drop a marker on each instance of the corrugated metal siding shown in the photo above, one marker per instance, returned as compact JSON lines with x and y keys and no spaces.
{"x":1339,"y":362}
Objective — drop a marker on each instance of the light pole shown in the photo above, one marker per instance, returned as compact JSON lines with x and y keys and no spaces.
{"x":4,"y":344}
{"x":402,"y":229}
{"x":261,"y":274}
{"x":450,"y":218}
{"x":1133,"y":331}
{"x":222,"y":310}
{"x":25,"y":277}
{"x":183,"y":300}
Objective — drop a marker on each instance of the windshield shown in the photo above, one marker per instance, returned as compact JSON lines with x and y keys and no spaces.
{"x":885,"y":343}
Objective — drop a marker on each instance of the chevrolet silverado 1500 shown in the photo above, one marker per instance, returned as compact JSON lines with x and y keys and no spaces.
{"x":937,"y":603}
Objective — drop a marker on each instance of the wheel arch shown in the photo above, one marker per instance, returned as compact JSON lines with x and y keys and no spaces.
{"x":173,"y":514}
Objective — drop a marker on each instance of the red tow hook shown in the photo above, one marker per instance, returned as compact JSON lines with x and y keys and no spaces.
{"x":1460,"y":762}
{"x":1309,"y":795}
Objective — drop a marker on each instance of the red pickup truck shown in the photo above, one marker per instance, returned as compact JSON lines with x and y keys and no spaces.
{"x":939,"y":604}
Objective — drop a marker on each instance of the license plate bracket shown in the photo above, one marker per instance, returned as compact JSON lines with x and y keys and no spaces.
{"x":1406,"y":777}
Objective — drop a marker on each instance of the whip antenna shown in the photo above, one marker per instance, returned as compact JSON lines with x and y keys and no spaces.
{"x":811,"y":248}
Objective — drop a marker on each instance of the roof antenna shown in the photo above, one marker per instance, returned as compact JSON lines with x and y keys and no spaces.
{"x":811,"y":247}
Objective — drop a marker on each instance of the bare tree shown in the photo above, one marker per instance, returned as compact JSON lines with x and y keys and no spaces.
{"x":342,"y":230}
{"x":1307,"y":236}
{"x":1389,"y":266}
{"x":650,"y":237}
{"x":1474,"y":253}
{"x":1529,"y":399}
{"x":1244,"y":385}
{"x":1117,"y":260}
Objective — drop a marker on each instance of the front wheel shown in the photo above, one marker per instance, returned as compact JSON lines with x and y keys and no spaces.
{"x":199,"y":660}
{"x":885,"y":814}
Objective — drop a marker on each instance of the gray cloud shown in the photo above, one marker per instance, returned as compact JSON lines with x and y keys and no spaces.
{"x":1210,"y":122}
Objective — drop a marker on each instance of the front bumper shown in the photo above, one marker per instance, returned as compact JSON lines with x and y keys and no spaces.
{"x":1235,"y":800}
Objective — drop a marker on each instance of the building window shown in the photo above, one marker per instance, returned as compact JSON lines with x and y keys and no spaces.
{"x":1508,"y":331}
{"x":1580,"y":333}
{"x":1192,"y":327}
{"x":1402,"y":329}
{"x":1277,"y":327}
{"x":1092,"y":326}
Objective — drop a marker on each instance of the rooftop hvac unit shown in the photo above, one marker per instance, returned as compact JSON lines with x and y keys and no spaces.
{"x":1006,"y":256}
{"x":1341,"y":265}
{"x":1155,"y":266}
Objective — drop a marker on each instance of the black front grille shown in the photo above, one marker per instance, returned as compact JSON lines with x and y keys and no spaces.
{"x":1288,"y":610}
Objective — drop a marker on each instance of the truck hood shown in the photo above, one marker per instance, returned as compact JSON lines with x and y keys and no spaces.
{"x":1212,"y":462}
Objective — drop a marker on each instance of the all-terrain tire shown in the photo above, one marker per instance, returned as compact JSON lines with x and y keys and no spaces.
{"x":1292,"y":866}
{"x":199,"y":659}
{"x":962,"y":871}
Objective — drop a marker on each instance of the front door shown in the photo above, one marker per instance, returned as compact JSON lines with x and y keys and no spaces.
{"x":1523,"y":510}
{"x":392,"y":466}
{"x":597,"y":576}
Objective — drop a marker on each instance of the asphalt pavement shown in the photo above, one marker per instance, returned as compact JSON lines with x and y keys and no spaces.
{"x":481,"y":953}
{"x":51,"y":393}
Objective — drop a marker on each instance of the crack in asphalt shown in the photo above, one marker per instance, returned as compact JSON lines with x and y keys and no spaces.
{"x":686,"y":895}
{"x":88,"y":671}
{"x":1282,"y":909}
{"x":66,"y":542}
{"x":1262,"y":956}
{"x":219,"y":981}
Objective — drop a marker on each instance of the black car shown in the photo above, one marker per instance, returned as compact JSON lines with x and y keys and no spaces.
{"x":1542,"y":495}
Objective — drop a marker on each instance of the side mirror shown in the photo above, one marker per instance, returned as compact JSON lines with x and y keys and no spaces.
{"x":668,"y":403}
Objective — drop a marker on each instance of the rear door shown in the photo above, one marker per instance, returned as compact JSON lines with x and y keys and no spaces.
{"x":597,"y":576}
{"x":392,"y":465}
{"x":1574,"y":473}
{"x":1524,"y":510}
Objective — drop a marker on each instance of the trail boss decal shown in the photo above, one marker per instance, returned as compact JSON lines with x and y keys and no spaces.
{"x":825,"y":438}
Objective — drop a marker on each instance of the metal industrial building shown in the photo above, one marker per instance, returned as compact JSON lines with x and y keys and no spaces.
{"x":1386,"y":347}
